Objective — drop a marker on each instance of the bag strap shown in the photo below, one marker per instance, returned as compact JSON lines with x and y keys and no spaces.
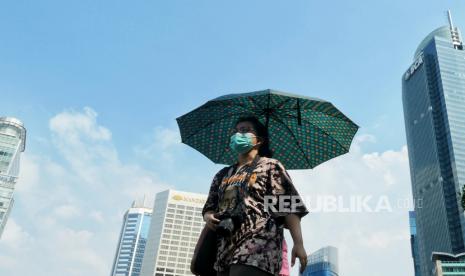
{"x":243,"y":184}
{"x":249,"y":170}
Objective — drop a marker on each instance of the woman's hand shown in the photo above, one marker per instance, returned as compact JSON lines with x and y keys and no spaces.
{"x":211,"y":221}
{"x":298,"y":251}
{"x":292,"y":222}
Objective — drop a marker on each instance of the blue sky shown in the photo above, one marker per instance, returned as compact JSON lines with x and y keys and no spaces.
{"x":140,"y":65}
{"x":143,"y":64}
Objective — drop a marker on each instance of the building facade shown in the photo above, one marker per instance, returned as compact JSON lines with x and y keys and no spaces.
{"x":414,"y":243}
{"x":433,"y":96}
{"x":12,"y":144}
{"x":446,"y":264}
{"x":176,"y":225}
{"x":323,"y":262}
{"x":132,"y":241}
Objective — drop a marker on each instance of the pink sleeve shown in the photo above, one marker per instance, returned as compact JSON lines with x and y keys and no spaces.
{"x":285,"y":263}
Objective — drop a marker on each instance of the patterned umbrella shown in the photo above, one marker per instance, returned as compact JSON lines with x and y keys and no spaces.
{"x":304,"y":132}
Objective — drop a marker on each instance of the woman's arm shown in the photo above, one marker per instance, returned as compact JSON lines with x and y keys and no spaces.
{"x":292,"y":222}
{"x":281,"y":185}
{"x":211,"y":205}
{"x":210,"y":220}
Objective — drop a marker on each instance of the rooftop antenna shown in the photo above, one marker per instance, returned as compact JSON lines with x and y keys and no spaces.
{"x":455,"y":33}
{"x":143,"y":202}
{"x":449,"y":16}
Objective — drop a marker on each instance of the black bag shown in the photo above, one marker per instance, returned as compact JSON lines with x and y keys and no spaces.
{"x":205,"y":254}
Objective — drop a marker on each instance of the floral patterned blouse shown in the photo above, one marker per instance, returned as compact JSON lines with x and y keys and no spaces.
{"x":258,"y":241}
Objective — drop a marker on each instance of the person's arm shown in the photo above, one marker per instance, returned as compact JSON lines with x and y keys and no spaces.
{"x":211,"y":205}
{"x":292,"y":222}
{"x":282,"y":186}
{"x":210,"y":220}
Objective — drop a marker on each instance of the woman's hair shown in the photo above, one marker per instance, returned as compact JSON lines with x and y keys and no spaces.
{"x":262,"y":133}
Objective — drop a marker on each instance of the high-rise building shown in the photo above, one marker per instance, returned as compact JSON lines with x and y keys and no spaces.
{"x":132,"y":241}
{"x":446,"y":264}
{"x":414,"y":242}
{"x":176,"y":225}
{"x":12,"y":144}
{"x":433,"y":96}
{"x":323,"y":262}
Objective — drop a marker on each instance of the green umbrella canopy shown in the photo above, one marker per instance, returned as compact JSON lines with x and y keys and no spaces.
{"x":304,"y":132}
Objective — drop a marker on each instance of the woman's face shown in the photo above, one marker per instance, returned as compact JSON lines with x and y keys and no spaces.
{"x":247,"y":127}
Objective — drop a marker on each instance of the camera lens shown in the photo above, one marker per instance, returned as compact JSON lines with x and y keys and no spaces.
{"x":225,"y":227}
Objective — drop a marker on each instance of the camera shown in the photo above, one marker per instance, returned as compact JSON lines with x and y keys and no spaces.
{"x":225,"y":227}
{"x":229,"y":222}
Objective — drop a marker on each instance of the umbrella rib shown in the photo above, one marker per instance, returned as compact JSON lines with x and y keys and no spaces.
{"x":212,"y":122}
{"x":255,"y":102}
{"x":322,"y":130}
{"x":337,"y":112}
{"x":342,"y":117}
{"x":295,"y":138}
{"x":278,"y":107}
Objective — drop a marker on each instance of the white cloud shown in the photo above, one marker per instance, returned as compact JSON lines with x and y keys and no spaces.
{"x":382,"y":239}
{"x":162,"y":147}
{"x":97,"y":216}
{"x":80,"y":256}
{"x":167,"y":137}
{"x":29,"y":173}
{"x":15,"y":237}
{"x":365,"y":138}
{"x":364,"y":239}
{"x":380,"y":121}
{"x":63,"y":198}
{"x":67,"y":211}
{"x":75,"y":125}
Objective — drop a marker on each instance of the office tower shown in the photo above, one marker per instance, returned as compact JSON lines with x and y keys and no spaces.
{"x":132,"y":241}
{"x":176,"y":225}
{"x":323,"y":262}
{"x":433,"y":95}
{"x":414,"y":242}
{"x":12,"y":144}
{"x":446,"y":264}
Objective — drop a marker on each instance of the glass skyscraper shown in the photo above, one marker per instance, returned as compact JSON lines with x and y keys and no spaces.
{"x":323,"y":262}
{"x":176,"y":225}
{"x":433,"y":95}
{"x":414,"y":242}
{"x":12,"y":144}
{"x":132,"y":241}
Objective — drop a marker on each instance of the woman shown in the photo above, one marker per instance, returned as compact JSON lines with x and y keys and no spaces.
{"x":250,"y":237}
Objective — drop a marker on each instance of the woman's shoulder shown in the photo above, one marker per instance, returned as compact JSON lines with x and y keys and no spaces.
{"x":269,"y":160}
{"x":224,"y":170}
